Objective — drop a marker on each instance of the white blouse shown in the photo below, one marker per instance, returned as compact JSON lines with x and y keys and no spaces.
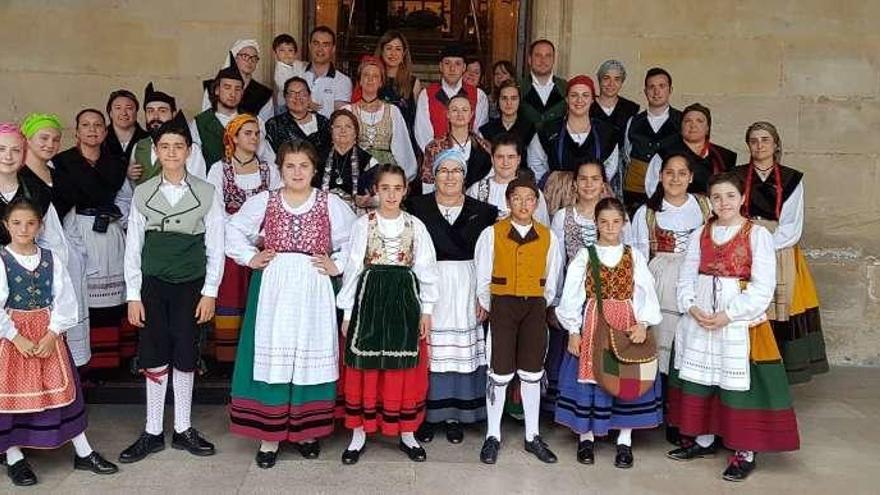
{"x":64,"y":313}
{"x":682,"y":220}
{"x":747,"y":305}
{"x":424,"y":260}
{"x":570,"y":311}
{"x":244,"y":228}
{"x":248,"y":182}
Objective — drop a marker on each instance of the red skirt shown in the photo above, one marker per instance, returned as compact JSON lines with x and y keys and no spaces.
{"x":388,"y":401}
{"x":231,"y":301}
{"x":33,"y":384}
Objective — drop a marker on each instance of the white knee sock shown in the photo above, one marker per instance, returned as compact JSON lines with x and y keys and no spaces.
{"x":358,"y":438}
{"x":587,"y":437}
{"x":625,"y":437}
{"x":13,"y":455}
{"x":705,"y":441}
{"x":409,"y":439}
{"x":266,"y":446}
{"x":530,"y":389}
{"x":495,"y":397}
{"x":157,"y":384}
{"x":183,"y":396}
{"x":81,"y":445}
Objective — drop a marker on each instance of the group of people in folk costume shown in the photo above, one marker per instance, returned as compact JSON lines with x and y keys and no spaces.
{"x":568,"y":252}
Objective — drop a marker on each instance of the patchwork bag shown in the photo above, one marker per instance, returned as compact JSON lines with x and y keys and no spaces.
{"x":623,"y":369}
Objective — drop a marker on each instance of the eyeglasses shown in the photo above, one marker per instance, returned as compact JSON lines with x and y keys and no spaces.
{"x":530,"y":200}
{"x":249,"y":58}
{"x":449,"y":172}
{"x":297,"y":94}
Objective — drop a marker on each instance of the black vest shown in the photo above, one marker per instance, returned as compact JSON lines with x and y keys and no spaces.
{"x":458,"y":240}
{"x":646,"y":143}
{"x":762,"y":198}
{"x":567,"y":154}
{"x":623,"y":111}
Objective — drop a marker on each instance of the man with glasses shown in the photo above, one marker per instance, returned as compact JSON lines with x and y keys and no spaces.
{"x":330,"y":88}
{"x":299,"y":122}
{"x":256,"y":98}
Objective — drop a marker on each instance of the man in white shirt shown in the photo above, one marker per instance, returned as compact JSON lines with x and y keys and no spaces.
{"x":543,"y":94}
{"x":431,"y":120}
{"x":649,"y":137}
{"x":331,"y":89}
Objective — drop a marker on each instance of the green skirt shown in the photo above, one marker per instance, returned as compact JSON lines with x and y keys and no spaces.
{"x":275,"y":412}
{"x":384,"y":329}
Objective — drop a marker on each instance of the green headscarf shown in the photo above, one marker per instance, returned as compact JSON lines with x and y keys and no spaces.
{"x":36,"y":122}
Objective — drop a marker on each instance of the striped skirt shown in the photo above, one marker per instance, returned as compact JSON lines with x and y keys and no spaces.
{"x":760,"y":419}
{"x":275,"y":412}
{"x":231,"y":300}
{"x":457,"y":397}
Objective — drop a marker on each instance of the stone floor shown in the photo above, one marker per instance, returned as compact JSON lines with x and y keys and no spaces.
{"x":837,"y":414}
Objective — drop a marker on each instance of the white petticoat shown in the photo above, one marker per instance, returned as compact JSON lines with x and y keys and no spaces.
{"x":456,"y":344}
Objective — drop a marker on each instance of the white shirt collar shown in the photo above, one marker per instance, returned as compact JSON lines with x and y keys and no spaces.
{"x":451,"y":90}
{"x":537,"y":82}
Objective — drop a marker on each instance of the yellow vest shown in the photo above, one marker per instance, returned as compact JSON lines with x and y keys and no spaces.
{"x":518,"y":265}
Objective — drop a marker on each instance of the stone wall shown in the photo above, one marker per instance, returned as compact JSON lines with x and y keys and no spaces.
{"x":64,"y":55}
{"x":812,"y":68}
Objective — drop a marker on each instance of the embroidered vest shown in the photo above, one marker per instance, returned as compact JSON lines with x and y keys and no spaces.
{"x":437,"y":101}
{"x":730,"y":259}
{"x":617,"y":281}
{"x":661,"y":240}
{"x":577,"y":236}
{"x":518,"y":264}
{"x":234,"y":196}
{"x":28,"y":290}
{"x":306,"y":233}
{"x":382,"y":250}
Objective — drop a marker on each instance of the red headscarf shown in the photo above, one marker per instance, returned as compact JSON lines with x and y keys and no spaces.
{"x":358,"y":94}
{"x":581,"y":79}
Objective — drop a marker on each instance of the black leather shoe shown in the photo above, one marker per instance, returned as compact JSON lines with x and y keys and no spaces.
{"x":624,"y":457}
{"x":540,"y":449}
{"x":266,"y":460}
{"x":425,"y":433}
{"x":738,"y":469}
{"x":489,"y":452}
{"x":21,"y":474}
{"x":351,"y":457}
{"x":415,"y":454}
{"x":585,"y":452}
{"x":690,"y":452}
{"x":309,"y":450}
{"x":673,"y":436}
{"x":193,"y":442}
{"x":454,"y":432}
{"x":145,"y":445}
{"x":95,"y":463}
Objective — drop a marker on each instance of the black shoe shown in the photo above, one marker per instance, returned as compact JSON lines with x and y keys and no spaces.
{"x":351,"y":457}
{"x":2,"y":459}
{"x":21,"y":474}
{"x":309,"y":450}
{"x":425,"y":433}
{"x":690,"y":451}
{"x":145,"y":445}
{"x":738,"y":469}
{"x":489,"y":451}
{"x":95,"y":463}
{"x":415,"y":454}
{"x":624,"y":457}
{"x":266,"y":460}
{"x":454,"y":432}
{"x":585,"y":452}
{"x":540,"y":449}
{"x":193,"y":442}
{"x":673,"y":436}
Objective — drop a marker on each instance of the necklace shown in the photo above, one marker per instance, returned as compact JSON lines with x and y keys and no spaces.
{"x":365,"y":101}
{"x":461,"y":146}
{"x":245,"y":163}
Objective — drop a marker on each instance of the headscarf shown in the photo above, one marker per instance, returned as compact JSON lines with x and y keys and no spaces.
{"x":366,"y":60}
{"x":610,"y":65}
{"x":239,"y":45}
{"x":11,"y":128}
{"x":449,"y":154}
{"x":581,"y":79}
{"x":36,"y":122}
{"x":232,"y":129}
